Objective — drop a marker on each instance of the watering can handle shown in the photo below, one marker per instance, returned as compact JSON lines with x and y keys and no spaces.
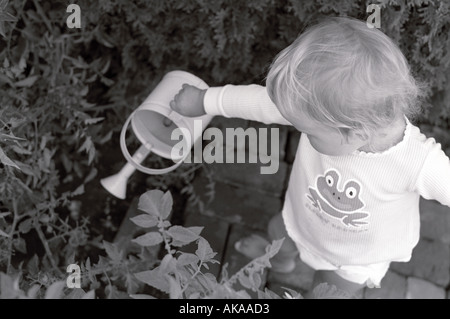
{"x":139,"y":167}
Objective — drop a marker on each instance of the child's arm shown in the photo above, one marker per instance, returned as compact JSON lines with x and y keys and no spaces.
{"x":250,"y":102}
{"x":433,"y":181}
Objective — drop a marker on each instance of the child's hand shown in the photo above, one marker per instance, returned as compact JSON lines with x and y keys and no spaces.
{"x":189,"y":101}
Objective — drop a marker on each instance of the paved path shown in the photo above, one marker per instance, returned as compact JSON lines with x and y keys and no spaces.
{"x":245,"y":200}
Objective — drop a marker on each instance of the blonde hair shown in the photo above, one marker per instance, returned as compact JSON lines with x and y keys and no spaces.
{"x":344,"y":75}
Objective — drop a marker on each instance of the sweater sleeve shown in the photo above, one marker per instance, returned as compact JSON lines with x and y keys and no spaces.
{"x":249,"y":102}
{"x":433,"y":181}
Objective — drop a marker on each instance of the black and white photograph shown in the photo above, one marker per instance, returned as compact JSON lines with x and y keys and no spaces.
{"x":226,"y":155}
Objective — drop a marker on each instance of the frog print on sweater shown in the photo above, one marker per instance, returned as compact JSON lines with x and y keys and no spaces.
{"x":344,"y":205}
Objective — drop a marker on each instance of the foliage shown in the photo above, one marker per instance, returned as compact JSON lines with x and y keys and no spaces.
{"x":9,"y":289}
{"x":182,"y":274}
{"x":53,"y":121}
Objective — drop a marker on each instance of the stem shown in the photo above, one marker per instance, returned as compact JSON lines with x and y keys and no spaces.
{"x":41,"y":12}
{"x":46,"y":247}
{"x":196,"y":167}
{"x":11,"y":233}
{"x":19,"y":14}
{"x":36,"y":135}
{"x":162,"y":230}
{"x":235,"y":277}
{"x":192,"y":277}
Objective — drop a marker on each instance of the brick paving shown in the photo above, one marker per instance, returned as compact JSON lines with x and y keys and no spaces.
{"x":245,"y":200}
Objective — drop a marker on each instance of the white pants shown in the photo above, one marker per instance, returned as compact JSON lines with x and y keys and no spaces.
{"x":370,"y":275}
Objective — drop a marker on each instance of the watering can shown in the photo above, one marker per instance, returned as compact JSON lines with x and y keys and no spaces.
{"x":149,"y":124}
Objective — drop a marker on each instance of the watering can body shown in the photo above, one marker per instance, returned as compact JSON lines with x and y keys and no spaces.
{"x":148,"y":124}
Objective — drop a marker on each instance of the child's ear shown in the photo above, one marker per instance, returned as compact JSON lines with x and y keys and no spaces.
{"x":351,"y":135}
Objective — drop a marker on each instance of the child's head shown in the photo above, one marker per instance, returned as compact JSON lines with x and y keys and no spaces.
{"x":344,"y":77}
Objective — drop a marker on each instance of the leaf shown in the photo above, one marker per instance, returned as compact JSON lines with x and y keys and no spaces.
{"x":2,"y":233}
{"x":89,"y":272}
{"x":267,"y":294}
{"x":194,"y":295}
{"x":273,"y":248}
{"x":131,"y":283}
{"x":29,"y":81}
{"x":204,"y":250}
{"x":177,"y":244}
{"x":6,"y":161}
{"x":150,"y":202}
{"x":224,"y":272}
{"x":3,"y":4}
{"x":20,"y":245}
{"x":26,"y":225}
{"x":256,"y":280}
{"x":242,"y":294}
{"x":55,"y":291}
{"x":91,"y":175}
{"x":9,"y":288}
{"x":76,"y":293}
{"x":142,"y":296}
{"x":3,"y":215}
{"x":292,"y":294}
{"x":47,"y":157}
{"x":4,"y":78}
{"x":103,"y":38}
{"x":6,"y":16}
{"x":187,"y":259}
{"x":106,"y":138}
{"x":182,"y":234}
{"x":166,"y":205}
{"x":154,"y":278}
{"x":112,"y":292}
{"x":33,"y":291}
{"x":26,"y":169}
{"x":106,"y":81}
{"x":145,"y":220}
{"x":9,"y":137}
{"x":87,"y":145}
{"x":93,"y":120}
{"x":67,"y":163}
{"x":91,"y":154}
{"x":196,"y":229}
{"x":149,"y":239}
{"x":33,"y":265}
{"x":244,"y":280}
{"x":78,"y":191}
{"x":174,"y":288}
{"x":20,"y":150}
{"x":89,"y":295}
{"x":327,"y":291}
{"x":168,"y":263}
{"x":113,"y":251}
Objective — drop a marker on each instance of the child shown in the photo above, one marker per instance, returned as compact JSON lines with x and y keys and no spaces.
{"x":352,"y":205}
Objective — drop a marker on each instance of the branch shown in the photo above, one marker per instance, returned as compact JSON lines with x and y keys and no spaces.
{"x":46,"y":247}
{"x":11,"y":233}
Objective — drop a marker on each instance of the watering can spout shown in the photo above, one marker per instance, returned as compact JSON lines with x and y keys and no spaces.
{"x":117,"y":184}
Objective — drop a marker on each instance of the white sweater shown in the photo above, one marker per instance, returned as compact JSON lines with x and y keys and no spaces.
{"x":356,"y":209}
